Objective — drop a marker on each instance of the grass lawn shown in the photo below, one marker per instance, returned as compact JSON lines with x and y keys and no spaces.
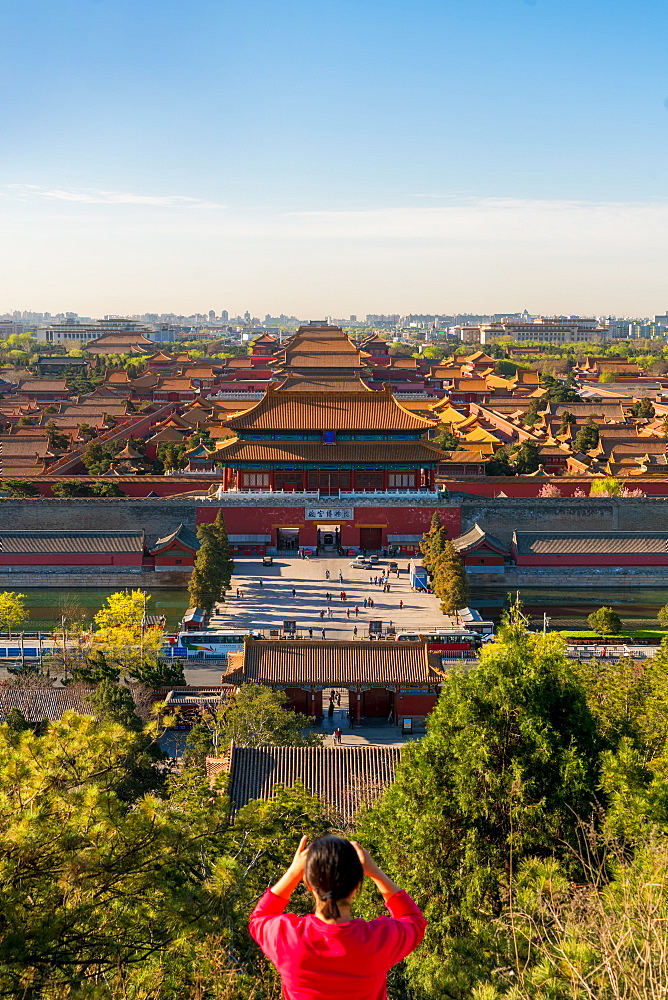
{"x":587,"y":635}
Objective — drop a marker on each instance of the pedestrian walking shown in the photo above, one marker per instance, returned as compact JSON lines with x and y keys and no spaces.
{"x":330,"y":710}
{"x":326,"y":574}
{"x":355,"y":632}
{"x":371,"y":602}
{"x":241,"y":594}
{"x":238,"y":591}
{"x":261,"y":583}
{"x":342,"y":596}
{"x":294,"y":592}
{"x":401,"y":604}
{"x":340,"y":577}
{"x":323,"y":633}
{"x":347,"y":612}
{"x":337,"y":735}
{"x":357,"y":611}
{"x":337,"y":698}
{"x":322,"y":614}
{"x":328,"y":597}
{"x":366,"y":603}
{"x":310,"y":633}
{"x":330,"y":613}
{"x":345,"y":596}
{"x":351,"y":719}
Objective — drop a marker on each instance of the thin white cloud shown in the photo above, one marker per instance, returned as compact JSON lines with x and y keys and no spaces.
{"x":93,"y":196}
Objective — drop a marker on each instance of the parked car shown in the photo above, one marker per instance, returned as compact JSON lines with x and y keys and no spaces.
{"x":373,"y":559}
{"x":393,"y":567}
{"x":267,"y":560}
{"x":360,"y":564}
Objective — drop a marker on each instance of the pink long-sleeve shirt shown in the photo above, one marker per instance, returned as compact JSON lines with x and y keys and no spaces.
{"x":347,"y":961}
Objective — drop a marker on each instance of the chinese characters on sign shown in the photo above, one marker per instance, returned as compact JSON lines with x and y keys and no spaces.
{"x":329,"y":513}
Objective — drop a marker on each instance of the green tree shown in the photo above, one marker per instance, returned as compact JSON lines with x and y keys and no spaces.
{"x":257,"y":716}
{"x":94,"y":669}
{"x":662,"y":616}
{"x":606,"y":377}
{"x":87,"y":431}
{"x":605,"y":621}
{"x":527,"y":458}
{"x":559,"y":391}
{"x":587,"y":437}
{"x":448,"y":441}
{"x":508,"y":766}
{"x":449,"y":580}
{"x":97,"y":458}
{"x":161,"y":673}
{"x":500,"y":464}
{"x":112,"y":702}
{"x":206,"y":580}
{"x":108,"y":489}
{"x":16,"y":721}
{"x":226,"y":563}
{"x":172,"y":456}
{"x":643,"y":408}
{"x":72,"y":488}
{"x":566,"y":420}
{"x":57,"y":440}
{"x":532,"y":415}
{"x":13,"y":611}
{"x":432,"y":542}
{"x":21,"y":488}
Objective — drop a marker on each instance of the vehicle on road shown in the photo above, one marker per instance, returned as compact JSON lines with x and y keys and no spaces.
{"x":455,"y":643}
{"x":360,"y":564}
{"x":267,"y":560}
{"x":200,"y":645}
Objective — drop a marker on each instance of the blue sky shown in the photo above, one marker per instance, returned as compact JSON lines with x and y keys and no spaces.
{"x":333,"y":157}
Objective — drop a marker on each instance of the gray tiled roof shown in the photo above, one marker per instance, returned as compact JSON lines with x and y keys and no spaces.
{"x":68,"y":542}
{"x":44,"y":702}
{"x":591,"y":542}
{"x":324,"y":663}
{"x":345,"y":777}
{"x":474,"y":536}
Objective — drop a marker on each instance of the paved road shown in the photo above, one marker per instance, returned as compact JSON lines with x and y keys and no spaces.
{"x":267,"y":606}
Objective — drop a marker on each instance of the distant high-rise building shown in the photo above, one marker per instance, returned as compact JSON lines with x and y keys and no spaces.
{"x":353,"y":319}
{"x":225,"y":316}
{"x":247,"y":317}
{"x":212,"y":315}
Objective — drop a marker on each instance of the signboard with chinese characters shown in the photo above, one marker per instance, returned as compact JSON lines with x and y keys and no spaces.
{"x":329,"y":513}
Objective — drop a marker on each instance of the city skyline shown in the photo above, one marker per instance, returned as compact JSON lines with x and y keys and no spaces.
{"x":335,"y":157}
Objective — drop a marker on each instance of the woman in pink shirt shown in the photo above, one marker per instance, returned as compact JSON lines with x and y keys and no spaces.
{"x":330,"y":954}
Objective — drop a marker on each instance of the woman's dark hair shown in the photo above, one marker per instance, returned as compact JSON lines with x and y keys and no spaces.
{"x":333,"y":870}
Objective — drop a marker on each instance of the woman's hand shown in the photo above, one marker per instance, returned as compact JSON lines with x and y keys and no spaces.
{"x":384,"y":884}
{"x":369,"y":866}
{"x":298,"y":863}
{"x":287,"y":883}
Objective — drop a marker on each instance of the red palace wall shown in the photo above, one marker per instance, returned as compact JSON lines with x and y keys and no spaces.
{"x":415,"y":704}
{"x":391,"y":521}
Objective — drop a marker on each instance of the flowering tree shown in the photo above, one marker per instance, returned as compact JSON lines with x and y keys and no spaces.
{"x":548,"y":490}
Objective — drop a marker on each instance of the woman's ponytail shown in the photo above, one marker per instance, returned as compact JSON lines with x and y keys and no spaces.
{"x":333,"y":871}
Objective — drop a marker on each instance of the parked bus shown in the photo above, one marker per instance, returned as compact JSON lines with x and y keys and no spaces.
{"x":200,"y":645}
{"x":457,"y":644}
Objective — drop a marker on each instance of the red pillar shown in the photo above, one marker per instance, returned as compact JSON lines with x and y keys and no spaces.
{"x":385,"y":479}
{"x":358,"y":709}
{"x":272,"y":479}
{"x":311,"y":704}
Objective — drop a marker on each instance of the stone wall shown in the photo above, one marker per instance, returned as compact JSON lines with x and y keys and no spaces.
{"x":157,"y":517}
{"x":502,"y":516}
